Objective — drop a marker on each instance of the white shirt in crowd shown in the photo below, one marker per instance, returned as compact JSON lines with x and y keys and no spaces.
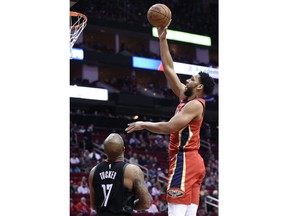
{"x":152,"y":208}
{"x":95,"y":154}
{"x":74,"y":160}
{"x":83,"y":190}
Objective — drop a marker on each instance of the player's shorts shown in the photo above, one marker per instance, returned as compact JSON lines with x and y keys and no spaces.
{"x":186,"y":173}
{"x":182,"y":210}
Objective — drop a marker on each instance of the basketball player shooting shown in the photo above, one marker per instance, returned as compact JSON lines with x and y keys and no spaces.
{"x":186,"y":166}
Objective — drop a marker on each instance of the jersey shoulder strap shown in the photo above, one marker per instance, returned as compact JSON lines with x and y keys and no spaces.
{"x":203,"y":102}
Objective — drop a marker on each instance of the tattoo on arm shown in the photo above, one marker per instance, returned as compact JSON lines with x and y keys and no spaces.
{"x":142,"y":193}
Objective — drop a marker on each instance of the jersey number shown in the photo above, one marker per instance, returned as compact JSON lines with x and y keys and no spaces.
{"x":106,"y":191}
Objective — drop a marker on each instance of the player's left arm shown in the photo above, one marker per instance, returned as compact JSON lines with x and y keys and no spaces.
{"x":189,"y":112}
{"x":135,"y":175}
{"x":92,"y":192}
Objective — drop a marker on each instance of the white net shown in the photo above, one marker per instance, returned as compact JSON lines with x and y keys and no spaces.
{"x":78,"y":22}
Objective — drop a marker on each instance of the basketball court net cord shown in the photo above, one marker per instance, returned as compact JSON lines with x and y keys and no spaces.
{"x":78,"y":22}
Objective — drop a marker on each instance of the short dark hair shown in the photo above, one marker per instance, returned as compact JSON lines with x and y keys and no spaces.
{"x":207,"y":81}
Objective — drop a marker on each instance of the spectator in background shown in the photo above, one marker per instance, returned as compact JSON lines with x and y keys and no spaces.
{"x":203,"y":192}
{"x":163,"y":207}
{"x":134,"y":141}
{"x":82,"y":181}
{"x":156,"y":189}
{"x":148,"y":160}
{"x":155,"y":161}
{"x":94,"y":156}
{"x":142,"y":160}
{"x":81,"y":128}
{"x":134,"y":158}
{"x":160,"y":172}
{"x":88,"y":137}
{"x":143,"y":146}
{"x":83,"y":207}
{"x":84,"y":157}
{"x":73,"y":187}
{"x":151,"y":160}
{"x":74,"y":163}
{"x":147,"y":183}
{"x":74,"y":159}
{"x":82,"y":142}
{"x":85,"y":161}
{"x":96,"y":143}
{"x":152,"y":172}
{"x":215,"y":193}
{"x":90,"y":129}
{"x":166,"y":141}
{"x":72,"y":206}
{"x":153,"y":208}
{"x":83,"y":189}
{"x":156,"y":201}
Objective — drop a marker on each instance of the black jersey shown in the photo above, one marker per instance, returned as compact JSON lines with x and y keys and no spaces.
{"x":111,"y":196}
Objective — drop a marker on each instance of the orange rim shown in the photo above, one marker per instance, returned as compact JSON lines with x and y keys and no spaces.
{"x":77,"y":14}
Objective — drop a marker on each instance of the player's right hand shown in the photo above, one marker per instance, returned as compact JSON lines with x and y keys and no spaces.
{"x":134,"y":126}
{"x":162,"y":31}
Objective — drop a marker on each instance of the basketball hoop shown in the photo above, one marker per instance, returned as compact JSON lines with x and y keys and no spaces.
{"x":78,"y":22}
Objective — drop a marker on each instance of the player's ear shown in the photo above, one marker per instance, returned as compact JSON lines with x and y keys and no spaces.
{"x":123,"y":148}
{"x":200,"y":86}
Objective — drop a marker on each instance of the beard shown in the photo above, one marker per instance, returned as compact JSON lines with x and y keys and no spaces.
{"x":188,"y":92}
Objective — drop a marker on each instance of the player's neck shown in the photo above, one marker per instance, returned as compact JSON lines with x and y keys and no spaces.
{"x":192,"y":97}
{"x":116,"y":159}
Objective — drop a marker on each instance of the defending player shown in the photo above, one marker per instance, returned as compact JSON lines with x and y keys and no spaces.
{"x":117,"y":187}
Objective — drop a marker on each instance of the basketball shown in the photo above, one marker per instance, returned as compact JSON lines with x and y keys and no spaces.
{"x":159,"y":15}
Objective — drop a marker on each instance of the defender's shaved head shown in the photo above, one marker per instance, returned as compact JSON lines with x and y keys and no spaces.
{"x":114,"y":147}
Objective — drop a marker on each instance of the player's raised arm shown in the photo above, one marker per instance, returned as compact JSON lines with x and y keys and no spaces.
{"x":167,"y":61}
